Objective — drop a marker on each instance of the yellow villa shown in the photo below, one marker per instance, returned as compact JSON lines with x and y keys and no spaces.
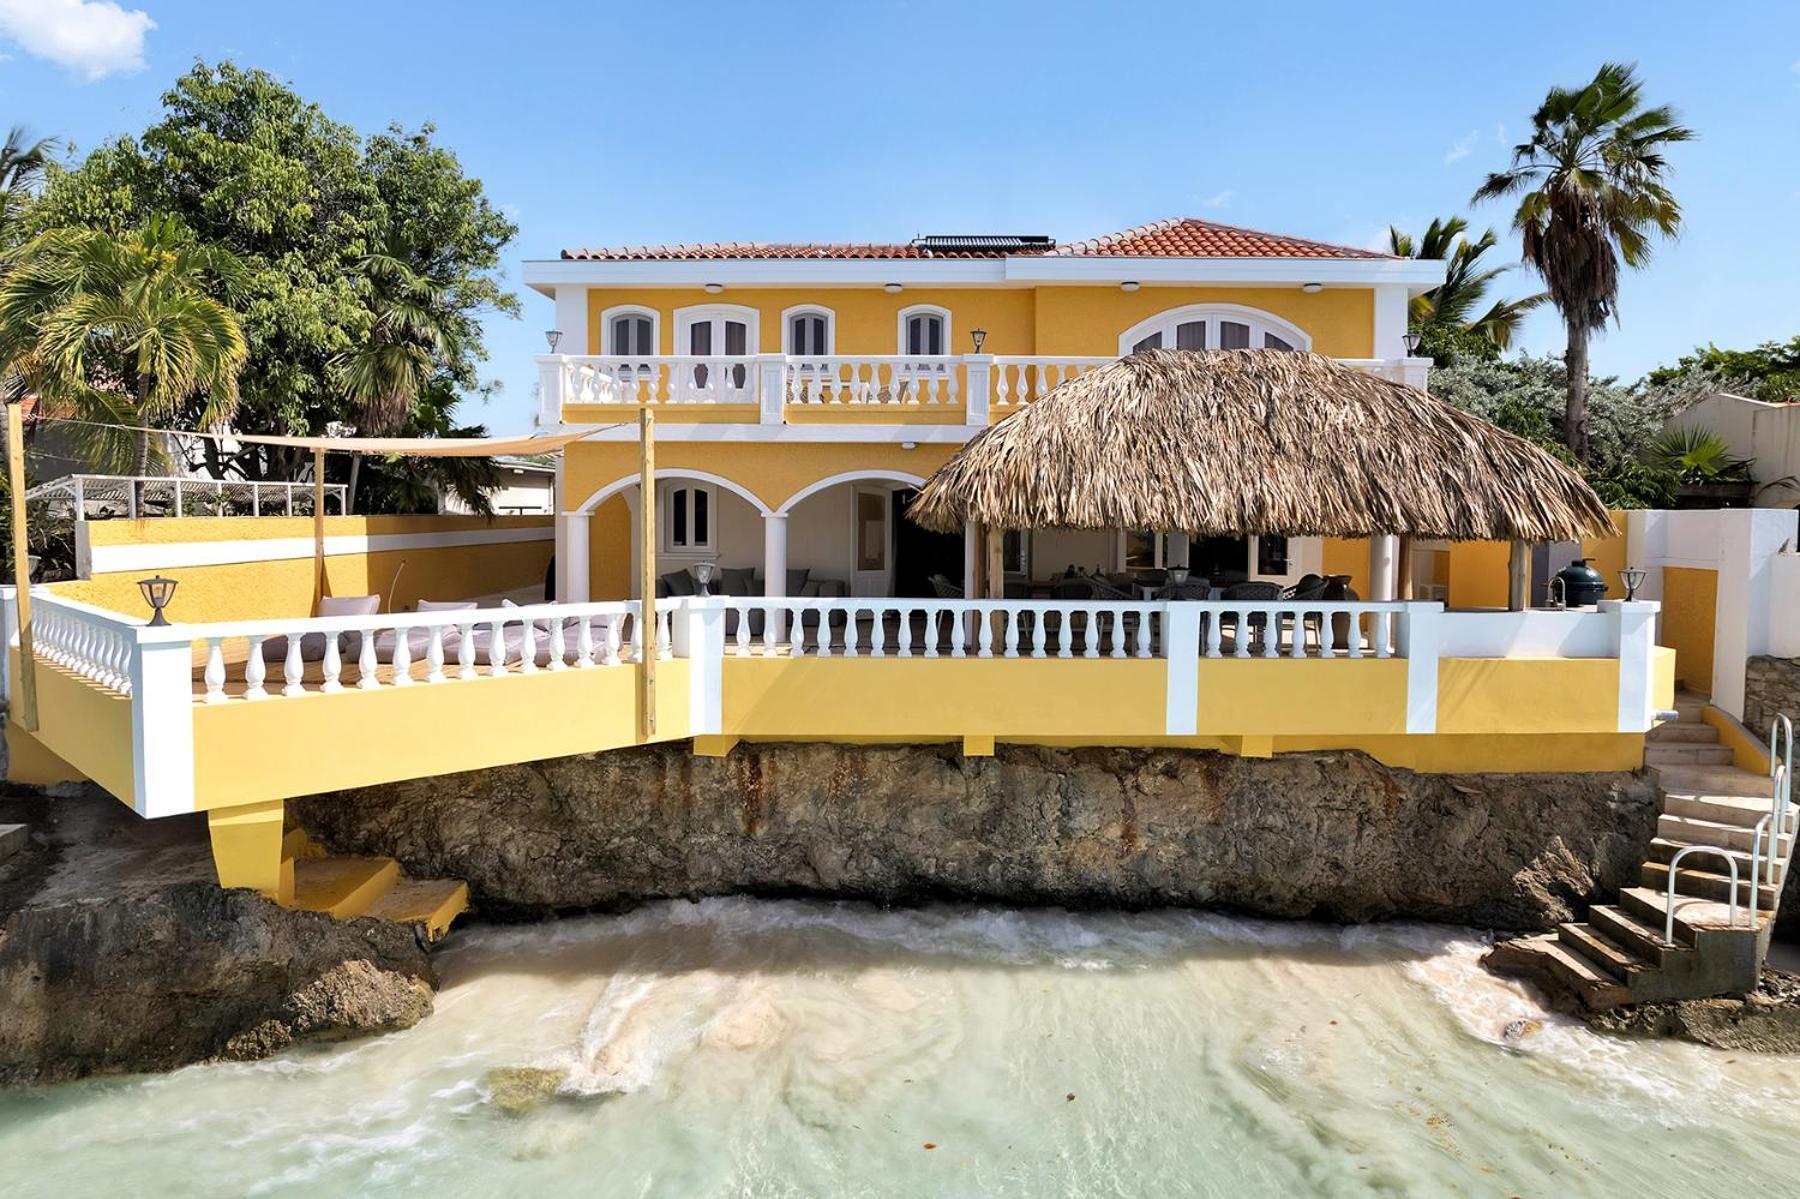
{"x":801,"y":395}
{"x":804,"y":390}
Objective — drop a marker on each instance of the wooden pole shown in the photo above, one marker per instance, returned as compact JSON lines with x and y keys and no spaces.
{"x":25,"y":709}
{"x":318,"y":527}
{"x":1405,"y":589}
{"x":1518,"y":577}
{"x":647,"y":565}
{"x":996,"y":563}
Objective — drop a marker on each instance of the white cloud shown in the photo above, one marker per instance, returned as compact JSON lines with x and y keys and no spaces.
{"x":92,"y":37}
{"x":1217,"y":199}
{"x":1462,"y":147}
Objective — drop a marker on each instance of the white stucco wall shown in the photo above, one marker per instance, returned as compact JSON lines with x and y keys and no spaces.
{"x":1769,"y":434}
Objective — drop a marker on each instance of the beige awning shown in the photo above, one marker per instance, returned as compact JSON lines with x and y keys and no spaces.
{"x":421,"y":447}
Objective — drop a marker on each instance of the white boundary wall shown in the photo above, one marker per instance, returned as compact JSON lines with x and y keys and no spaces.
{"x":1754,"y":615}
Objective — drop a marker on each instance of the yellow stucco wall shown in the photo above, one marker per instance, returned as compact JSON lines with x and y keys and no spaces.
{"x":1018,"y":320}
{"x":80,"y":724}
{"x":1347,"y":556}
{"x":253,"y":751}
{"x":284,"y":587}
{"x":772,"y":471}
{"x":1689,"y":612}
{"x":1608,"y":556}
{"x":1478,"y":574}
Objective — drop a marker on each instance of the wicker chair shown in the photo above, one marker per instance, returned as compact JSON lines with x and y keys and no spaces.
{"x":1258,"y":622}
{"x":943,"y":588}
{"x":1310,"y":587}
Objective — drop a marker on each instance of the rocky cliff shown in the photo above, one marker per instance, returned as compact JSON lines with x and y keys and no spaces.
{"x":119,"y":952}
{"x":1335,"y":836}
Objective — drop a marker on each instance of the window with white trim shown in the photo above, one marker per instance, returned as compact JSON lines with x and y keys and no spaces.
{"x":1210,"y":327}
{"x":809,"y":332}
{"x":688,"y":518}
{"x":630,"y":335}
{"x":924,"y":331}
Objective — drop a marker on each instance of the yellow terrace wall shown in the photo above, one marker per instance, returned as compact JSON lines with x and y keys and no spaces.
{"x":238,"y":581}
{"x":1018,"y":320}
{"x":251,"y":752}
{"x":1689,"y":616}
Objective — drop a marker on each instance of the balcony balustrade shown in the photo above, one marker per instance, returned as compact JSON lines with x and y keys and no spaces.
{"x":774,"y":389}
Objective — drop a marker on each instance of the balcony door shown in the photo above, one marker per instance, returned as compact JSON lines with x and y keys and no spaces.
{"x":717,"y":331}
{"x":871,"y":542}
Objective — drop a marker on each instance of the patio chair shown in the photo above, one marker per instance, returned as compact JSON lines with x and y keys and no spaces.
{"x":1257,"y":621}
{"x":1310,"y":587}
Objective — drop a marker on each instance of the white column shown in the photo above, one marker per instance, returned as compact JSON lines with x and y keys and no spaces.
{"x":1384,"y":567}
{"x":774,"y":572}
{"x":1390,"y":322}
{"x":572,"y":319}
{"x":1181,"y":649}
{"x":572,"y":557}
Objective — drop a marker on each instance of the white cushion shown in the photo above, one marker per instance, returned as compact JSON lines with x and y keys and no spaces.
{"x":349,"y":605}
{"x":445,"y":606}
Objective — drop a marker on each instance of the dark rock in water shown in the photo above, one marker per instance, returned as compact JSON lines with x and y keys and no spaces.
{"x":1767,"y":1020}
{"x":119,"y":952}
{"x":1331,"y":835}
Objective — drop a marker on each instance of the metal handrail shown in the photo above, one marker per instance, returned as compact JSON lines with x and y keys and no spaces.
{"x":1669,"y":900}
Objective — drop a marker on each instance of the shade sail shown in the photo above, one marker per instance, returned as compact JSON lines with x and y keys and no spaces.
{"x":422,"y":447}
{"x":1230,"y":442}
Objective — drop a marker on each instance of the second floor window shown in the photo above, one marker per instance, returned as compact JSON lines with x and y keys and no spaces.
{"x":924,"y":335}
{"x":631,"y":336}
{"x":808,"y":334}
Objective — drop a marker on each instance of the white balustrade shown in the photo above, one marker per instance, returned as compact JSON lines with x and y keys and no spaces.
{"x":657,"y":380}
{"x":886,"y":379}
{"x":91,"y":642}
{"x":932,"y":628}
{"x":1021,"y":379}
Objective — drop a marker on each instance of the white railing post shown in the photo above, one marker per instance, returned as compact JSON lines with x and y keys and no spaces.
{"x":1634,"y":644}
{"x":553,"y":374}
{"x":980,"y":368}
{"x":1181,"y":649}
{"x":698,"y":631}
{"x":1420,"y":643}
{"x":162,"y":726}
{"x":771,"y":386}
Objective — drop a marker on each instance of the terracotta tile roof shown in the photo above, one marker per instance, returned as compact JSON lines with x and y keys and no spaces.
{"x":1189,"y":237}
{"x":1178,"y":237}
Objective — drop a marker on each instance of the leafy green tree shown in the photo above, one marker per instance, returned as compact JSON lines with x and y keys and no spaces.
{"x":303,"y":202}
{"x":1446,"y":316}
{"x":1769,"y":372}
{"x":1592,"y":193}
{"x":124,"y":330}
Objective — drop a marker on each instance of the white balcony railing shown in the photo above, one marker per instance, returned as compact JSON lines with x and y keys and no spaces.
{"x":976,"y":386}
{"x":153,"y":669}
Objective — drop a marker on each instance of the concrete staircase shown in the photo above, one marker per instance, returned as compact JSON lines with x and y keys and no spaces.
{"x":1618,"y":954}
{"x":352,"y":886}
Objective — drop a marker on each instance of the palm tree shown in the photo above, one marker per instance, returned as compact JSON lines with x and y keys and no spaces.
{"x":413,"y":333}
{"x":22,"y":163}
{"x":1453,"y":302}
{"x":1592,"y":192}
{"x":123,"y":330}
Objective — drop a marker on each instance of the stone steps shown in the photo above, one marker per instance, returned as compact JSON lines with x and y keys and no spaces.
{"x":1678,"y":753}
{"x":1637,"y":936}
{"x":342,"y":887}
{"x":1707,"y":884}
{"x":1618,"y":954}
{"x":431,"y":902}
{"x":1725,"y":809}
{"x":1681,"y":731}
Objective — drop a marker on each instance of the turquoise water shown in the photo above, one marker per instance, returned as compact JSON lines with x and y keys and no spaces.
{"x":755,"y":1048}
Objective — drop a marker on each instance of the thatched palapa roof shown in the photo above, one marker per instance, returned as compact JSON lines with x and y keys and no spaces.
{"x":1228,"y":442}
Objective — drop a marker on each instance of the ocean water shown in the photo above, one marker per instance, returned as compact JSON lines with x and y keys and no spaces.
{"x":743,"y":1047}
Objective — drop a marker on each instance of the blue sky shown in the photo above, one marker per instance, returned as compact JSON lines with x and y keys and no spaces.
{"x":608,"y":123}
